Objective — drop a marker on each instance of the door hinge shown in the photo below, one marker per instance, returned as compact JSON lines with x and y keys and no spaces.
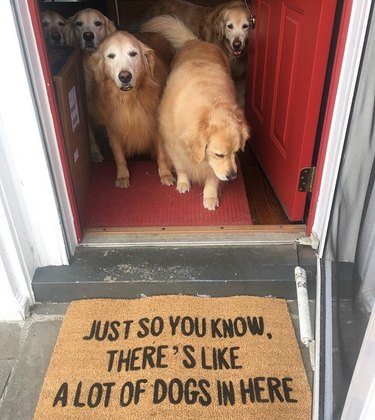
{"x":306,"y":179}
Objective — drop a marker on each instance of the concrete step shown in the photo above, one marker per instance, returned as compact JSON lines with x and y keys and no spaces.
{"x":264,"y":270}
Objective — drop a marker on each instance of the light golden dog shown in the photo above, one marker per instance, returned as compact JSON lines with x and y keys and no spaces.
{"x":200,"y":120}
{"x":85,"y":30}
{"x":129,"y":78}
{"x":53,"y":26}
{"x":225,"y":25}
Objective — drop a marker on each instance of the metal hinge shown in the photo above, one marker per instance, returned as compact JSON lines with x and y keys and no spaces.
{"x":306,"y":179}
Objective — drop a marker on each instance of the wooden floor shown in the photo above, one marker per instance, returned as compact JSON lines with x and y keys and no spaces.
{"x":265,"y":208}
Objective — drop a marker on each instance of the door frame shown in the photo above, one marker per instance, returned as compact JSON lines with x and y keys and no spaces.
{"x":31,"y":233}
{"x":353,"y":27}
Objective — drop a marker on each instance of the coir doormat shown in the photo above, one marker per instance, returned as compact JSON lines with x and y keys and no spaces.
{"x":176,"y":357}
{"x":148,"y":203}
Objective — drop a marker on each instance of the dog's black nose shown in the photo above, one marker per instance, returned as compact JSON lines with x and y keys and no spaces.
{"x":237,"y":44}
{"x":125,"y":76}
{"x":56,"y":36}
{"x":231,"y":175}
{"x":88,"y":36}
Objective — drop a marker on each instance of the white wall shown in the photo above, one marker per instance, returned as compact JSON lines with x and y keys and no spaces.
{"x":31,"y":232}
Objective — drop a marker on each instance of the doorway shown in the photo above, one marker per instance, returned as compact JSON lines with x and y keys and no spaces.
{"x":267,"y":212}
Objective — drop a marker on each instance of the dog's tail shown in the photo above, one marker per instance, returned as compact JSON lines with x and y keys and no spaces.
{"x":171,"y":28}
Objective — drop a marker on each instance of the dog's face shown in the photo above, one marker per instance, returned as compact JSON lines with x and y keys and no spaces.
{"x":222,"y":146}
{"x":87,"y":28}
{"x":53,"y":25}
{"x":219,"y":141}
{"x":233,"y":27}
{"x":124,"y":59}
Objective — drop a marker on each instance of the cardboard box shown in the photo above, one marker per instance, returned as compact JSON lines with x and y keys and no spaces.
{"x":67,"y":71}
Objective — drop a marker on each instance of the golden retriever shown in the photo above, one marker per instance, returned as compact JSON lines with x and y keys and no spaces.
{"x":85,"y":30}
{"x":200,"y":120}
{"x":129,"y":78}
{"x":225,"y":25}
{"x":52,"y":26}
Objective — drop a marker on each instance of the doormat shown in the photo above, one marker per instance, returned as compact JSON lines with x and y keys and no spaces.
{"x":149,"y":203}
{"x":176,"y":357}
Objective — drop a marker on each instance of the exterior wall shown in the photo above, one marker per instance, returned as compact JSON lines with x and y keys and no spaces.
{"x":15,"y":281}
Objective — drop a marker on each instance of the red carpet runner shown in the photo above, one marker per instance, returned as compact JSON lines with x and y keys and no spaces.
{"x":148,"y":203}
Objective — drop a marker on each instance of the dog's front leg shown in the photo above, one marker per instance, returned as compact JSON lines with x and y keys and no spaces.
{"x":183,"y":182}
{"x":164,"y":163}
{"x":122,"y":180}
{"x":95,"y":153}
{"x":210,"y":193}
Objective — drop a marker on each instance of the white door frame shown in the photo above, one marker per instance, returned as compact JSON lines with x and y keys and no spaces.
{"x":360,"y":400}
{"x":348,"y":77}
{"x":31,"y":229}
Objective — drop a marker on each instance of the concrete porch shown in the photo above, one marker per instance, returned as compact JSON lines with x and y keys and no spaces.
{"x":26,"y":347}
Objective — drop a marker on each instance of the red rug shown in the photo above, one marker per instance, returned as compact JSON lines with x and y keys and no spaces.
{"x":149,"y":203}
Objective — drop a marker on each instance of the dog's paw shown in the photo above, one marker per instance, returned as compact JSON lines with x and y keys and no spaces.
{"x":210,"y":203}
{"x":183,"y":187}
{"x":122,"y":182}
{"x":97,"y":157}
{"x":167,"y":179}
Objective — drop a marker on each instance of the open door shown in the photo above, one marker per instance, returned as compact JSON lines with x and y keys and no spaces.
{"x":288,"y":54}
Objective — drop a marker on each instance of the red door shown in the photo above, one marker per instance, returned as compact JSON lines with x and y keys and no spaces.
{"x":288,"y":52}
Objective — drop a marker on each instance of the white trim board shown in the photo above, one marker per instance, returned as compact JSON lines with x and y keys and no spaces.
{"x":360,"y":400}
{"x":348,"y":77}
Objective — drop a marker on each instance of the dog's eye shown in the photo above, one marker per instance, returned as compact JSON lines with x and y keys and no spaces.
{"x":79,"y":23}
{"x":219,"y":155}
{"x":61,"y":23}
{"x":245,"y":26}
{"x":45,"y":24}
{"x":111,"y":56}
{"x":230,"y":26}
{"x":98,"y":23}
{"x":133,"y":53}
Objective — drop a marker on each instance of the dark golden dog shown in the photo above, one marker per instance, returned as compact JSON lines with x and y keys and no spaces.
{"x":128,"y":79}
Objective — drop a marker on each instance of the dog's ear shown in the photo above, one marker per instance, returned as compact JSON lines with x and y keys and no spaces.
{"x":150,"y":57}
{"x":95,"y":67}
{"x":244,"y":129}
{"x":196,"y":139}
{"x":109,"y":26}
{"x":69,"y":32}
{"x":219,"y":25}
{"x":196,"y":147}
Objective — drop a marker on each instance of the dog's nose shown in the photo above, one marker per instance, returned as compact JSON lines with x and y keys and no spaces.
{"x":88,"y":36}
{"x":231,"y":175}
{"x":56,"y":36}
{"x":125,"y":76}
{"x":237,"y":44}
